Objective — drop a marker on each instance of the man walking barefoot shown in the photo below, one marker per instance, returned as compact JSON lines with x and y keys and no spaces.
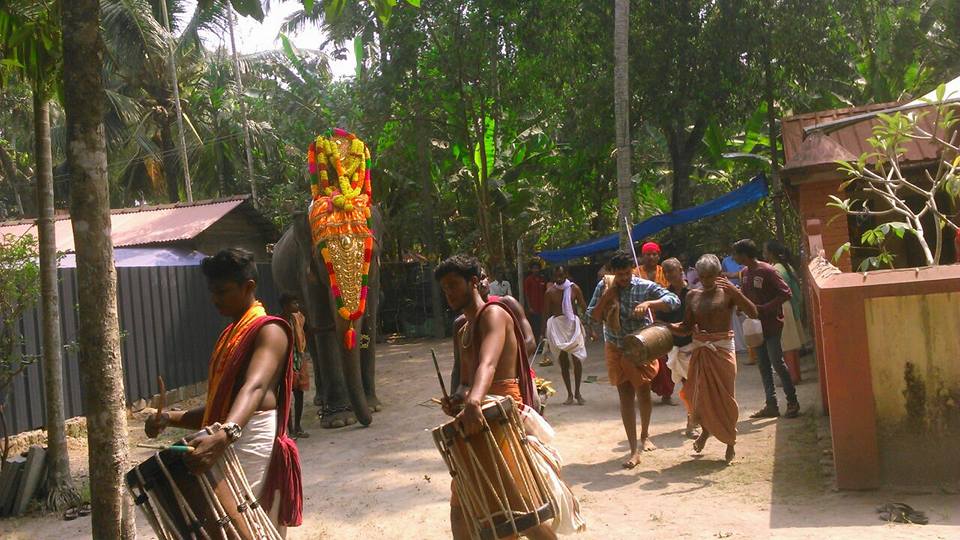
{"x":633,"y":299}
{"x":563,"y":304}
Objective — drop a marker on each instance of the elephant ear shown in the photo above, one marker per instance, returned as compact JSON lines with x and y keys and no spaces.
{"x":376,"y":223}
{"x":301,"y":228}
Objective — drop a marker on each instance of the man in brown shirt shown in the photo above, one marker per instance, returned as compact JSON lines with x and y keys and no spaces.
{"x":764,"y":287}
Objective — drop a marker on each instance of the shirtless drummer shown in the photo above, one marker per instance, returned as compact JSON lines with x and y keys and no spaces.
{"x":490,"y":363}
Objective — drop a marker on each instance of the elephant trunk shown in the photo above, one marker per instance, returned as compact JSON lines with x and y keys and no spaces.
{"x":353,"y":377}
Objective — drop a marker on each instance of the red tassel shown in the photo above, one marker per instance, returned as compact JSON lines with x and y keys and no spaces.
{"x":350,"y":339}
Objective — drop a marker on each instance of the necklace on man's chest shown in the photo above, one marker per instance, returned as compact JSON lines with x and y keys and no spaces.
{"x":466,"y":336}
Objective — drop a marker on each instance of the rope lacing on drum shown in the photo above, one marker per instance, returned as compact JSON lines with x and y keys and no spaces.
{"x":229,"y":469}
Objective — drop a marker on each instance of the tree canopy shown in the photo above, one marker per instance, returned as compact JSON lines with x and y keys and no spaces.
{"x":489,"y":121}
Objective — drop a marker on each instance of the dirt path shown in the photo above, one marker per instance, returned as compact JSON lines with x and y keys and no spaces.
{"x":388,"y":481}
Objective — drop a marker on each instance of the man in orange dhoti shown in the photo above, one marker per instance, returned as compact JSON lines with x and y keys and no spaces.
{"x":492,"y":360}
{"x":623,"y":303}
{"x":248,"y":393}
{"x":651,"y":270}
{"x":712,"y":373}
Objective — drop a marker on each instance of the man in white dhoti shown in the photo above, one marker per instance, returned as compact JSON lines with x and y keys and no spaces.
{"x":562,"y":305}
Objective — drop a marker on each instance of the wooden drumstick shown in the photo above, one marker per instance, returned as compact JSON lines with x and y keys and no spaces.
{"x":163,"y":396}
{"x":436,"y":366}
{"x":173,"y":447}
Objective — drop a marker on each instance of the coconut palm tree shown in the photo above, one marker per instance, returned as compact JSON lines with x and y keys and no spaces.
{"x":30,"y":41}
{"x":138,"y":51}
{"x":621,"y":98}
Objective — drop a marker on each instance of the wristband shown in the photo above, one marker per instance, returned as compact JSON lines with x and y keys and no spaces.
{"x":233,"y":431}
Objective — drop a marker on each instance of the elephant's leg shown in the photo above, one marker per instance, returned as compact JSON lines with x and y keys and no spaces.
{"x":317,"y":375}
{"x":368,"y":364}
{"x":336,"y":411}
{"x":368,"y":355}
{"x":352,"y":371}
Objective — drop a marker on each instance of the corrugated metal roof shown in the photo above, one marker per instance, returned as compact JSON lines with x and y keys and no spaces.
{"x":852,"y":139}
{"x":145,"y":224}
{"x":817,"y":151}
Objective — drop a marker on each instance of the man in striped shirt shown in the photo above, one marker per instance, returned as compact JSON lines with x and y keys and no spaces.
{"x":623,"y":303}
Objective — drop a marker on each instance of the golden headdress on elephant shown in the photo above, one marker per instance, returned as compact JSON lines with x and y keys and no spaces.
{"x":340,"y":218}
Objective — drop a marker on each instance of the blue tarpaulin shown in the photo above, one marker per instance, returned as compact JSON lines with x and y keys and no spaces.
{"x":753,"y":191}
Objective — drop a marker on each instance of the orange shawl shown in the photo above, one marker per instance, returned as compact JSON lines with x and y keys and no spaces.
{"x":660,"y":278}
{"x":224,"y":363}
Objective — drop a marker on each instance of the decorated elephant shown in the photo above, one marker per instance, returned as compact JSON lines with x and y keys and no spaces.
{"x":329,"y":258}
{"x":347,"y":388}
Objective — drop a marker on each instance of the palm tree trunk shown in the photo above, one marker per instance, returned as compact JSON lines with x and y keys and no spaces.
{"x":621,"y":105}
{"x":175,"y":87}
{"x":241,"y":98}
{"x":98,"y":334}
{"x":168,"y":151}
{"x":60,"y":492}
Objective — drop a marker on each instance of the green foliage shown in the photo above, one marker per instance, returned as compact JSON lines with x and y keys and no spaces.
{"x":30,"y":41}
{"x":247,"y":8}
{"x":492,"y":122}
{"x":19,"y":290}
{"x":889,"y":47}
{"x":335,"y":8}
{"x":885,"y":190}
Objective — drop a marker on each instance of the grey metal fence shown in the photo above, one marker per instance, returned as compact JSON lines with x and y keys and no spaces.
{"x":168,"y":327}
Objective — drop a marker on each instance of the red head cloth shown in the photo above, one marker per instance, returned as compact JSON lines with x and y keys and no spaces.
{"x":650,"y":247}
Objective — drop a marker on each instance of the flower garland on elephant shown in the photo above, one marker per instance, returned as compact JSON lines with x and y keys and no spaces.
{"x":340,"y":219}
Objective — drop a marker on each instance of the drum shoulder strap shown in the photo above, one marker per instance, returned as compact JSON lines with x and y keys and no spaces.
{"x":523,"y":364}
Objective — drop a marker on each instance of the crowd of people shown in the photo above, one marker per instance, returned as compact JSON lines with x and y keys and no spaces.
{"x":702,"y":303}
{"x":259,"y":369}
{"x":704,"y":306}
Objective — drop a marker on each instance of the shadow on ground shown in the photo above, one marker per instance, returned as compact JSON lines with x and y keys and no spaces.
{"x":803,"y":494}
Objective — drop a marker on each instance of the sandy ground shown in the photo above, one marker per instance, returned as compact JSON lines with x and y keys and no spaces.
{"x":388,"y":481}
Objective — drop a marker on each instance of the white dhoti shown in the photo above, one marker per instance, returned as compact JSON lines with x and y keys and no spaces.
{"x":539,"y":433}
{"x":254,"y":450}
{"x":566,"y":335}
{"x":255,"y":447}
{"x":678,"y":359}
{"x":678,"y":364}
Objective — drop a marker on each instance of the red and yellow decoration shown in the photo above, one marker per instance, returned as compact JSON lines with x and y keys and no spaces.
{"x":340,"y":219}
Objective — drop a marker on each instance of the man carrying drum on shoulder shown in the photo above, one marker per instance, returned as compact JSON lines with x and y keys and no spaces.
{"x":250,"y":380}
{"x":624,"y":307}
{"x":491,"y":362}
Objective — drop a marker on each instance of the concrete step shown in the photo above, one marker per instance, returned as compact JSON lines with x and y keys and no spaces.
{"x":34,"y":470}
{"x":9,"y":483}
